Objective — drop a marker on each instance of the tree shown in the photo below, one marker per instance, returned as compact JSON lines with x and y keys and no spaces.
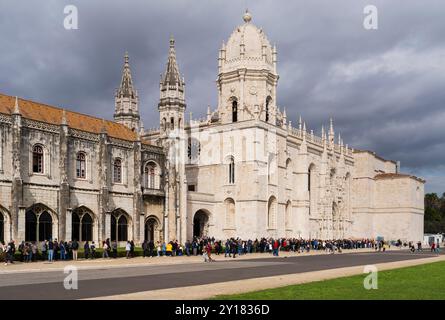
{"x":434,"y":213}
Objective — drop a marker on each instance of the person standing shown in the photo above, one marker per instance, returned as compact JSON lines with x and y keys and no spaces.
{"x":128,"y":249}
{"x":75,"y":248}
{"x":132,"y":248}
{"x":86,"y":250}
{"x":144,"y":249}
{"x":93,"y":250}
{"x":62,"y":250}
{"x":105,"y":247}
{"x":50,"y":251}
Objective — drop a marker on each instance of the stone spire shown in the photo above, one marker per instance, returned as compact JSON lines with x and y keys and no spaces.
{"x":16,"y":106}
{"x":171,"y":105}
{"x":171,"y":76}
{"x":126,"y":99}
{"x":126,"y":89}
{"x":331,"y":132}
{"x":64,"y":120}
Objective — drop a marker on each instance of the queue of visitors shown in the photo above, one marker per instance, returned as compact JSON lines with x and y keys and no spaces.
{"x":63,"y":250}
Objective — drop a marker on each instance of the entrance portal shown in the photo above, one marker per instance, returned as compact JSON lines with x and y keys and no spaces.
{"x":151,"y":226}
{"x":200,"y":224}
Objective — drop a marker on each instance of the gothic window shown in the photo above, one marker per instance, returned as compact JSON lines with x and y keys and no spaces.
{"x":172,"y":123}
{"x":272,"y":213}
{"x":230,"y":213}
{"x":81,"y":165}
{"x":234,"y":111}
{"x":122,"y":229}
{"x":267,"y":108}
{"x":164,"y":124}
{"x":231,"y":171}
{"x":288,"y":221}
{"x":119,"y":226}
{"x":87,"y":227}
{"x":82,"y":225}
{"x":151,"y":176}
{"x":37,"y":159}
{"x":30,"y":226}
{"x":45,"y":226}
{"x":117,"y":171}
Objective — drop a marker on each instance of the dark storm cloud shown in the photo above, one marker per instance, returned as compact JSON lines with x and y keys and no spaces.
{"x":384,"y":88}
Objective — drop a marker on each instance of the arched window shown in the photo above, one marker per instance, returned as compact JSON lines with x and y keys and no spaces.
{"x":268,"y":99}
{"x":37,"y":159}
{"x":117,"y":171}
{"x":30,"y":226}
{"x":172,"y":123}
{"x":75,"y":226}
{"x":234,"y":111}
{"x":45,"y":226}
{"x":122,"y":229}
{"x":87,"y":228}
{"x":164,"y":124}
{"x":231,"y":171}
{"x":81,"y":166}
{"x":113,"y":228}
{"x":288,"y":217}
{"x":272,"y":213}
{"x":119,"y":226}
{"x":230,"y":213}
{"x":151,"y":176}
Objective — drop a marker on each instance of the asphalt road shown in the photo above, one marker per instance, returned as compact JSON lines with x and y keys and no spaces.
{"x":105,"y":281}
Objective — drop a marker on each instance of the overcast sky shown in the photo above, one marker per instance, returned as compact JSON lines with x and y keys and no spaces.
{"x":384,"y":88}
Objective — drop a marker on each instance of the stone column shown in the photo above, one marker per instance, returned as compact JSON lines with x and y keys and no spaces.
{"x":68,"y":224}
{"x":107,"y":227}
{"x":142,"y":227}
{"x":21,"y":228}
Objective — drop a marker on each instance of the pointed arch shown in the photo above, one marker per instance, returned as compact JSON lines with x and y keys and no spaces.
{"x":272,"y":213}
{"x":40,"y":223}
{"x":288,"y":215}
{"x":229,"y":204}
{"x":234,"y":108}
{"x":83,"y":224}
{"x":120,"y":225}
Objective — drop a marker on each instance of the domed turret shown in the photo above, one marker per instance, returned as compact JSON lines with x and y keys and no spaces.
{"x":249,"y":46}
{"x":247,"y":76}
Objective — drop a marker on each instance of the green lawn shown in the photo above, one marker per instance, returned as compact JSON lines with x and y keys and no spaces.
{"x":420,"y":282}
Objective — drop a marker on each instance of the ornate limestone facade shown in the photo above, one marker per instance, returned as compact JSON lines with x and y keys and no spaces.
{"x":244,"y":170}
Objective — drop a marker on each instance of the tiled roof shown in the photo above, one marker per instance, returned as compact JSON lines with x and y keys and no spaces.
{"x":397,"y":175}
{"x":53,"y":115}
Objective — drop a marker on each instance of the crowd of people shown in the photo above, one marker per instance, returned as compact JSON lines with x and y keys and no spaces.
{"x":206,"y":246}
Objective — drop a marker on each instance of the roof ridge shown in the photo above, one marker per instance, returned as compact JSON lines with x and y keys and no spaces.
{"x":66,"y":109}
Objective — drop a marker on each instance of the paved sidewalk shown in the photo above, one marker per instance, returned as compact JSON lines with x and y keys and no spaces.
{"x":43,"y":266}
{"x":255,"y":284}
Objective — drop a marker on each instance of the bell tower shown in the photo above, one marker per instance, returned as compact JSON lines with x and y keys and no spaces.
{"x":126,"y":100}
{"x":247,"y":76}
{"x":172,"y":95}
{"x":171,"y":136}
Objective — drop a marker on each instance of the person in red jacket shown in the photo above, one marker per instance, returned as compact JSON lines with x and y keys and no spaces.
{"x":276,"y":247}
